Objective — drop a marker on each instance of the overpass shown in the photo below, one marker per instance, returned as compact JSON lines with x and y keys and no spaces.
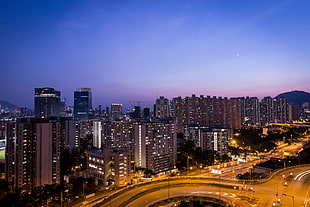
{"x":260,"y":193}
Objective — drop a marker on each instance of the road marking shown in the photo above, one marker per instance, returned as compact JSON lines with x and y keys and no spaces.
{"x":301,"y":175}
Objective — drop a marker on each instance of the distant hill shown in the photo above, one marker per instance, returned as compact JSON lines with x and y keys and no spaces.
{"x":296,"y":97}
{"x":8,"y":106}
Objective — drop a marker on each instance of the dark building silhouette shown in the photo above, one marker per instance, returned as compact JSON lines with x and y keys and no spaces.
{"x":146,"y":112}
{"x":137,"y":112}
{"x":82,"y":103}
{"x":46,"y":102}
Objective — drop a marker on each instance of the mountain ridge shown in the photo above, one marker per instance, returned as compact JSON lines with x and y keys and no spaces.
{"x":8,"y":106}
{"x":295,"y":97}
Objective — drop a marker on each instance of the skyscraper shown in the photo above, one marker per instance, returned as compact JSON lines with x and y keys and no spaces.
{"x":46,"y":102}
{"x":82,"y":103}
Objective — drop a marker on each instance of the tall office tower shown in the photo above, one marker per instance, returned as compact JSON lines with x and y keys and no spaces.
{"x":146,"y":112}
{"x":267,"y":110}
{"x":100,"y":110}
{"x":116,"y":111}
{"x":82,"y":103}
{"x":97,"y":130}
{"x":46,"y":102}
{"x":250,"y":110}
{"x":137,"y":112}
{"x":155,"y":146}
{"x":34,"y":152}
{"x":162,"y":108}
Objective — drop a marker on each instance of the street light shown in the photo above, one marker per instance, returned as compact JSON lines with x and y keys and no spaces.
{"x":84,"y":182}
{"x":168,"y":188}
{"x":188,"y":168}
{"x":284,"y":194}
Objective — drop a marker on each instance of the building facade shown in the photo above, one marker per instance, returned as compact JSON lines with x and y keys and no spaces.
{"x":82,"y":104}
{"x":155,"y":146}
{"x":116,"y":111}
{"x":117,"y":135}
{"x":46,"y":102}
{"x":206,"y":111}
{"x":34,"y":151}
{"x":274,"y":110}
{"x":162,"y":108}
{"x":213,"y":139}
{"x":109,"y":167}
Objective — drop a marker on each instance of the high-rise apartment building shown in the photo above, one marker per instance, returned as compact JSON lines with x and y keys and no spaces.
{"x":121,"y":167}
{"x":250,"y":110}
{"x":162,"y":108}
{"x":117,"y":135}
{"x":210,"y":138}
{"x":155,"y":145}
{"x":46,"y":102}
{"x":306,"y":111}
{"x":34,"y":151}
{"x":274,"y":110}
{"x":266,"y":110}
{"x":2,"y":141}
{"x":97,"y":132}
{"x":82,"y":103}
{"x":281,"y":110}
{"x":98,"y":164}
{"x":294,"y":112}
{"x":206,"y":111}
{"x":116,"y":111}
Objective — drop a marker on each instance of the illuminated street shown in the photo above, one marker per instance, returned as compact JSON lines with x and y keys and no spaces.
{"x":272,"y":191}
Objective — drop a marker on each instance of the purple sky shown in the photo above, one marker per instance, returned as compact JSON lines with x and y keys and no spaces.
{"x":140,"y":50}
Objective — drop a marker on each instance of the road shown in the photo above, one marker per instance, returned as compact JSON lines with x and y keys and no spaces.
{"x":267,"y":193}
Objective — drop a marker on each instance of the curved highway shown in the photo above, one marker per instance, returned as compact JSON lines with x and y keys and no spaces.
{"x":286,"y":188}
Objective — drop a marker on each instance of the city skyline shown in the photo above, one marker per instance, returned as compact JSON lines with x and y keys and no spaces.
{"x":138,"y":51}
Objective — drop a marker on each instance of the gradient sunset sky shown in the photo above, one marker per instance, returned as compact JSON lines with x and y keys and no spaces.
{"x":140,"y":50}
